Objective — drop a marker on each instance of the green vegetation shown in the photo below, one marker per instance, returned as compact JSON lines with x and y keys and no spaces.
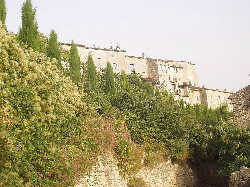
{"x":75,"y":64}
{"x":28,"y":33}
{"x":135,"y":182}
{"x":2,"y":11}
{"x":53,"y":49}
{"x":52,"y":130}
{"x":42,"y":119}
{"x":90,"y":77}
{"x":108,"y":79}
{"x":196,"y":133}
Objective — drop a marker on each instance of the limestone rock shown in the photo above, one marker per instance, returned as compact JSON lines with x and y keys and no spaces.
{"x":241,"y":107}
{"x":240,"y":178}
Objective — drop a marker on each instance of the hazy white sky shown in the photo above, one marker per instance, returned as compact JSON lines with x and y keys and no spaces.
{"x":213,"y":34}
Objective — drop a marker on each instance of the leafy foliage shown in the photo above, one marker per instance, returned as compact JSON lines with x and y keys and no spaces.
{"x":108,"y":78}
{"x":2,"y":11}
{"x":41,"y":118}
{"x":186,"y":132}
{"x":53,"y":49}
{"x":90,"y":77}
{"x":75,"y":64}
{"x":28,"y":33}
{"x":51,"y":131}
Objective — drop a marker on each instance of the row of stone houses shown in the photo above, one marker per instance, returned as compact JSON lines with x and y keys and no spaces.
{"x":179,"y":77}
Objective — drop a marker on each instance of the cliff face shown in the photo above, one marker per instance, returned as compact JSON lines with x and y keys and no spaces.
{"x":241,"y":107}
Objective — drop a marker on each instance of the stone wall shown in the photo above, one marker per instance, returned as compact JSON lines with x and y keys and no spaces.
{"x":241,"y":109}
{"x":240,"y":178}
{"x":102,"y":56}
{"x":179,"y":72}
{"x":139,"y":63}
{"x":106,"y":174}
{"x":153,"y":74}
{"x":178,"y":77}
{"x":168,"y":174}
{"x":216,"y":98}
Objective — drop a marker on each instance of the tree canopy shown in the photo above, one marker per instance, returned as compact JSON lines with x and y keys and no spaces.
{"x":75,"y":64}
{"x":28,"y":33}
{"x":2,"y":11}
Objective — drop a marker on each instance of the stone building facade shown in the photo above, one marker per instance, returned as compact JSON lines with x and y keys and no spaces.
{"x":178,"y":77}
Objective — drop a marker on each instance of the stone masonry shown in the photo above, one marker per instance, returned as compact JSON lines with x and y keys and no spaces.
{"x":165,"y":174}
{"x":241,"y":109}
{"x":178,"y":77}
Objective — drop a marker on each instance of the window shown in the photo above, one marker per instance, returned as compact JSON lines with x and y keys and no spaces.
{"x":132,"y":68}
{"x":160,"y":68}
{"x":115,"y":67}
{"x":165,"y":68}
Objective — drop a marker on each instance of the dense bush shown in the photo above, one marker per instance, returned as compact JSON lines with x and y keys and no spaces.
{"x":186,"y":132}
{"x":51,"y":131}
{"x":41,"y":118}
{"x":214,"y":138}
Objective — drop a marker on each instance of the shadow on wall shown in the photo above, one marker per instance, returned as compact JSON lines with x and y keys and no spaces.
{"x":185,"y":177}
{"x":207,"y":176}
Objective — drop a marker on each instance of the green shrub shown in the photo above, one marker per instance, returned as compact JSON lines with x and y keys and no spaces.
{"x":155,"y":153}
{"x":129,"y":157}
{"x":136,"y":182}
{"x":28,"y":33}
{"x":41,"y":119}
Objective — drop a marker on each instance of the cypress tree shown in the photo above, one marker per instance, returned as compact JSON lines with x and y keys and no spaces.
{"x":29,"y":34}
{"x":53,"y":49}
{"x":90,"y":76}
{"x":75,"y":64}
{"x":109,"y":83}
{"x":2,"y":11}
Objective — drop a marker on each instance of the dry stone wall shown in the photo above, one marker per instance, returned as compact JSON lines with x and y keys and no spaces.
{"x":240,"y":178}
{"x":166,"y":174}
{"x":104,"y":174}
{"x":241,"y":109}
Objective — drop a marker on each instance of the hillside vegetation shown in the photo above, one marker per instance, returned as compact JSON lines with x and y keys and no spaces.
{"x":53,"y":127}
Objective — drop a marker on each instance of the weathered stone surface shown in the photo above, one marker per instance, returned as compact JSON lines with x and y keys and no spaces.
{"x":178,"y":77}
{"x":166,"y":174}
{"x":241,"y":107}
{"x":105,"y":173}
{"x":208,"y":176}
{"x":240,"y":178}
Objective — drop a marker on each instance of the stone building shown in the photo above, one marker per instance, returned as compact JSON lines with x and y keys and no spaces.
{"x":178,"y":77}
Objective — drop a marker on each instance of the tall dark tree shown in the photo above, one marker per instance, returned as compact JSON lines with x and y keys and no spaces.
{"x":29,"y":34}
{"x":75,"y":64}
{"x":53,"y":49}
{"x":109,"y":83}
{"x":90,"y":78}
{"x":2,"y":11}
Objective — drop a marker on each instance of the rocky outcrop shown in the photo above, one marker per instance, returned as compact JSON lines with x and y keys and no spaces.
{"x":241,"y":107}
{"x":240,"y":178}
